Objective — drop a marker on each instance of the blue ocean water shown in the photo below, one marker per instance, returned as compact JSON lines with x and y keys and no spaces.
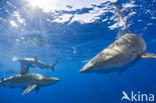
{"x":74,"y":32}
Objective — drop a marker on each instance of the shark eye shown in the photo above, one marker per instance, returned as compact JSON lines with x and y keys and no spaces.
{"x":132,"y":53}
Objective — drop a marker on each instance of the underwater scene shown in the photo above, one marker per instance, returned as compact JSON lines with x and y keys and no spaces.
{"x":77,"y":51}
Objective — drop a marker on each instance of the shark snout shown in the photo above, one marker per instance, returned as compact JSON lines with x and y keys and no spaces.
{"x":85,"y":70}
{"x":51,"y":80}
{"x":55,"y":80}
{"x":82,"y":70}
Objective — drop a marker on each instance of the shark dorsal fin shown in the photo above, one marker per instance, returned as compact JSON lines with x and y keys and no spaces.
{"x":35,"y":58}
{"x":24,"y":70}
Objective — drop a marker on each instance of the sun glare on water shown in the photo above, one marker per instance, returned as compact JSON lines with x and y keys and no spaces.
{"x":46,"y":5}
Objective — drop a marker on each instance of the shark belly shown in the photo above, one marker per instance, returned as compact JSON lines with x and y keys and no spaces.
{"x":113,"y":65}
{"x":37,"y":64}
{"x":40,"y":65}
{"x":112,"y":59}
{"x":17,"y":83}
{"x":20,"y":80}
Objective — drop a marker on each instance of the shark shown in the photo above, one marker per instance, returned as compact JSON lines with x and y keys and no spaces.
{"x":34,"y":62}
{"x":118,"y":56}
{"x":28,"y":81}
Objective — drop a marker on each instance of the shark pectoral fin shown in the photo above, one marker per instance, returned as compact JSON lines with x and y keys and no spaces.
{"x":36,"y":66}
{"x":148,"y":55}
{"x":29,"y":88}
{"x":24,"y":70}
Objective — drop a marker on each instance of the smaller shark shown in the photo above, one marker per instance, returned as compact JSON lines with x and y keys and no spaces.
{"x":28,"y":81}
{"x":34,"y":62}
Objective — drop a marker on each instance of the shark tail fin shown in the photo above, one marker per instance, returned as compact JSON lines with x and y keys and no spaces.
{"x":53,"y":65}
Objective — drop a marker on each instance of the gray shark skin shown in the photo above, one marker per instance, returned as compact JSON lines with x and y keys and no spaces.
{"x":119,"y":55}
{"x":35,"y":63}
{"x":28,"y":80}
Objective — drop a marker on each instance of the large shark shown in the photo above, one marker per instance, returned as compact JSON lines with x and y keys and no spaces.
{"x":27,"y":80}
{"x":119,"y":55}
{"x":34,"y":62}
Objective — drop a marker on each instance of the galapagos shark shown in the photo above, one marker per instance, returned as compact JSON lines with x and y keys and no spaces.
{"x":119,"y":55}
{"x":28,"y":81}
{"x":34,"y":62}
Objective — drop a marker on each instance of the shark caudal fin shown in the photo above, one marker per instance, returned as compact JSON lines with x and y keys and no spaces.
{"x":53,"y":65}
